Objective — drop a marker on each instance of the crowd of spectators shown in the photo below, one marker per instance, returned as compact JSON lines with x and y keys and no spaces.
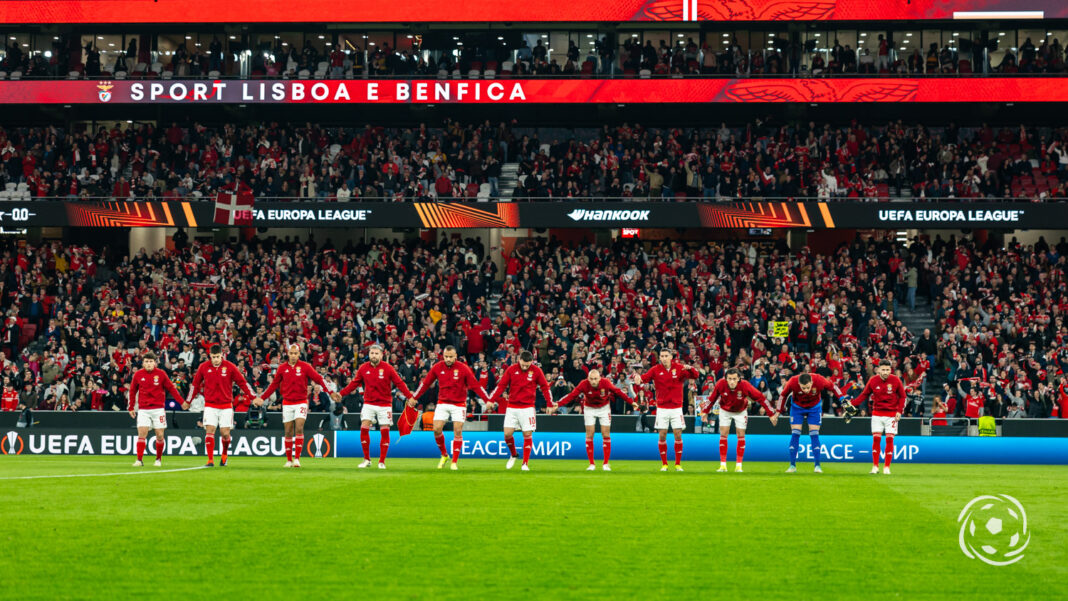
{"x":77,"y":321}
{"x":348,"y":58}
{"x":760,"y":159}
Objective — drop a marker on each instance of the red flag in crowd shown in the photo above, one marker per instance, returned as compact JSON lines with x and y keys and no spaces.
{"x":234,"y":208}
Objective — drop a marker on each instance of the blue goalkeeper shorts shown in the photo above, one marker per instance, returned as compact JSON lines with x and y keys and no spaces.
{"x":798,"y":415}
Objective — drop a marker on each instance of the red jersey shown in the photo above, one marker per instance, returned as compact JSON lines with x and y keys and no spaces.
{"x":293,"y":381}
{"x":453,"y":383}
{"x":148,"y":389}
{"x":973,"y":403}
{"x":9,"y":401}
{"x":521,"y":386}
{"x":735,"y":400}
{"x":887,"y":396}
{"x":378,"y":382}
{"x":810,"y":400}
{"x":594,"y":397}
{"x":668,"y":383}
{"x":217,"y":384}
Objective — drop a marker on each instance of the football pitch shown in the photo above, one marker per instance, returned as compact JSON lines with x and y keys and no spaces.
{"x":330,"y":531}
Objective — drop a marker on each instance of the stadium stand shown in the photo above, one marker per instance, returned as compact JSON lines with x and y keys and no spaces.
{"x":758,"y":159}
{"x":77,"y":321}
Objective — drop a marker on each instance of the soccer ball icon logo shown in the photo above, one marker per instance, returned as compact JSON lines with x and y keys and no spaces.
{"x":993,"y":529}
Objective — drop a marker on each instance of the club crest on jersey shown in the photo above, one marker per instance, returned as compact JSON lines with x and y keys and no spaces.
{"x":224,"y":371}
{"x":381,"y":373}
{"x":155,"y":379}
{"x":530,"y":376}
{"x":298,"y":371}
{"x":455,"y":374}
{"x":889,"y":388}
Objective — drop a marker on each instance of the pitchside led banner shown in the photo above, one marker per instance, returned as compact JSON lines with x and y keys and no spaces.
{"x":759,"y":447}
{"x":549,"y":445}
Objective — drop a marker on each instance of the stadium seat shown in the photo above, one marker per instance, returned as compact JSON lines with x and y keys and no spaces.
{"x":645,"y":73}
{"x":213,"y":75}
{"x":303,"y":74}
{"x":473,"y":74}
{"x":443,"y":74}
{"x":484,"y":192}
{"x":3,"y":74}
{"x":74,"y":75}
{"x":16,"y":75}
{"x":167,"y":75}
{"x":489,"y":74}
{"x":507,"y":67}
{"x":120,"y":75}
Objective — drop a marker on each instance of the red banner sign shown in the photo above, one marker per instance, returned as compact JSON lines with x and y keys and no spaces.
{"x":332,"y":11}
{"x":534,"y":91}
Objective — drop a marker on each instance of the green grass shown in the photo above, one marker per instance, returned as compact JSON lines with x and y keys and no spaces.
{"x":330,"y":531}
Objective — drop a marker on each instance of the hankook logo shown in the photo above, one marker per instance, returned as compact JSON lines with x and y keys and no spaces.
{"x":599,"y":215}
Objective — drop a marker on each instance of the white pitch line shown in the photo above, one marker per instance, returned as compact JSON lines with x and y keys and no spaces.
{"x":183,"y":469}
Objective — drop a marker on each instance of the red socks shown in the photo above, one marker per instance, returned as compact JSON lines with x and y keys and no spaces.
{"x":365,"y":442}
{"x":876,"y":443}
{"x":225,"y":448}
{"x":440,"y":439}
{"x":511,"y":445}
{"x":589,"y":449}
{"x":607,"y":449}
{"x":528,"y":445}
{"x":678,"y":452}
{"x":140,"y":449}
{"x":209,"y":446}
{"x":289,"y":448}
{"x":457,"y":446}
{"x":889,"y":449}
{"x":741,"y":450}
{"x":663,"y":451}
{"x":298,"y":446}
{"x":723,"y":449}
{"x":383,"y":447}
{"x":159,"y":448}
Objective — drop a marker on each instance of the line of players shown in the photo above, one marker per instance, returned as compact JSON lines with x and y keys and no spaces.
{"x":518,"y":386}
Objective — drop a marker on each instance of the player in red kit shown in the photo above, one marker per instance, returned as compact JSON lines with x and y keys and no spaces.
{"x":667,"y":378}
{"x":292,"y":380}
{"x":454,"y":379}
{"x":734,"y":396}
{"x":216,"y":378}
{"x":148,"y":395}
{"x":806,"y":390}
{"x":520,"y":383}
{"x":377,"y":380}
{"x":887,"y":395}
{"x":596,"y":392}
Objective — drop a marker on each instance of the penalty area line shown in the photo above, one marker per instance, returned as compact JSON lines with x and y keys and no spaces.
{"x":139,"y":473}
